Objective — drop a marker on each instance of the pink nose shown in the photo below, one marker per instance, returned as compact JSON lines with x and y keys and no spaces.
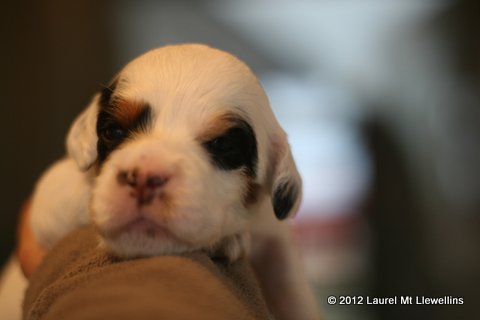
{"x":145,"y":186}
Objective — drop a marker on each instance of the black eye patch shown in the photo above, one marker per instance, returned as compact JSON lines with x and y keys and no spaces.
{"x":235,"y":148}
{"x":117,"y":121}
{"x":110,"y":135}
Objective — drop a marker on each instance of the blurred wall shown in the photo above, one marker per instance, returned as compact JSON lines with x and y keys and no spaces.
{"x":425,"y":138}
{"x":54,"y":55}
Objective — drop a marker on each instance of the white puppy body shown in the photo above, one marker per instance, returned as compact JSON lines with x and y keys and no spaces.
{"x":182,"y":152}
{"x":60,"y":202}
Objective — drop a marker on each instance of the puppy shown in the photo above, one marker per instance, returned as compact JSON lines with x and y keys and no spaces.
{"x":182,"y":152}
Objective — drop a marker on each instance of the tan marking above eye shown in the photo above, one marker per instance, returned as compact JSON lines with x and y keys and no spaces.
{"x":219,"y":124}
{"x":125,"y":112}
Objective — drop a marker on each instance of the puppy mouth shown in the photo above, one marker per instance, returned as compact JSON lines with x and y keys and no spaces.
{"x":142,"y":226}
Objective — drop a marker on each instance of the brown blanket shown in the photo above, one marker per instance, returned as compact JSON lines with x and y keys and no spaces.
{"x":78,"y":280}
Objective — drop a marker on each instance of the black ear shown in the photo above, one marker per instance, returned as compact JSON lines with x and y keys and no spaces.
{"x":286,"y":183}
{"x":284,"y":198}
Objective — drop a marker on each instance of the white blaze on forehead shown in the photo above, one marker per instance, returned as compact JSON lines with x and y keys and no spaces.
{"x":190,"y":78}
{"x":194,"y":75}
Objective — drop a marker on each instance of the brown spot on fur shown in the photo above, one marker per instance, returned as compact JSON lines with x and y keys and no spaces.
{"x":218,"y":125}
{"x":119,"y":120}
{"x":126,"y":112}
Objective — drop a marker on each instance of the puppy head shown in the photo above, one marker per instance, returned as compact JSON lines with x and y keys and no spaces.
{"x":188,"y":148}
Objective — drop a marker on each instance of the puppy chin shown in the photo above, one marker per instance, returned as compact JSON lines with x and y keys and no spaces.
{"x":143,"y":241}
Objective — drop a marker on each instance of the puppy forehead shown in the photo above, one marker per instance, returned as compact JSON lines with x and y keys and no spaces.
{"x":193,"y":81}
{"x":186,"y":65}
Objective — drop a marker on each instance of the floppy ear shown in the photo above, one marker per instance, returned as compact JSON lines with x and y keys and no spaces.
{"x":82,"y":136}
{"x":287,"y":183}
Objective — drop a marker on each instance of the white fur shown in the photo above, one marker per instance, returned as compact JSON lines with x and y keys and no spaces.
{"x":199,"y":213}
{"x":81,"y":139}
{"x":187,"y":87}
{"x":60,"y":202}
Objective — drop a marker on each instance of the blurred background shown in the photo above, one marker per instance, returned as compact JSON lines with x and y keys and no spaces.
{"x":380,"y":99}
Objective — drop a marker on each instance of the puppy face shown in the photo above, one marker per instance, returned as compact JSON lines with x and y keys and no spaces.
{"x":188,"y":150}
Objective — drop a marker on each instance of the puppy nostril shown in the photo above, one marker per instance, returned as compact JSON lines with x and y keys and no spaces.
{"x":134,"y":180}
{"x":155,"y":181}
{"x":128,"y":177}
{"x":144,"y":187}
{"x":122,"y":177}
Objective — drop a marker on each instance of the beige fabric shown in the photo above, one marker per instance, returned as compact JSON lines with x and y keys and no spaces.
{"x":78,"y":280}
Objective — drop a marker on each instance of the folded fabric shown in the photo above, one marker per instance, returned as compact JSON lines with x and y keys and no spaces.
{"x":79,"y":280}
